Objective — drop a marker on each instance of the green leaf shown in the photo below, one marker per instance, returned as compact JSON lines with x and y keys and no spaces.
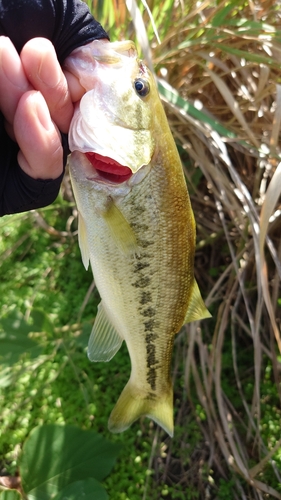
{"x":10,"y":495}
{"x":83,"y":339}
{"x":220,"y":18}
{"x":90,"y":489}
{"x":248,"y":56}
{"x":8,"y":376}
{"x":54,"y":456}
{"x":14,"y":340}
{"x":162,"y":13}
{"x":173,"y":96}
{"x":40,"y":321}
{"x":14,"y":322}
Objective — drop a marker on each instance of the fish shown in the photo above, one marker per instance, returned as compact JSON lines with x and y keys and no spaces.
{"x":136,"y":226}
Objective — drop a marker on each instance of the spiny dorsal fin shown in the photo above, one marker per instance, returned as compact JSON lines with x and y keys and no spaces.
{"x":83,"y":241}
{"x":121,"y":230}
{"x":196,"y":307}
{"x":104,"y":341}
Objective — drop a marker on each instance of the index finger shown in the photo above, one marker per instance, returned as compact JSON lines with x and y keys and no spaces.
{"x":43,"y":71}
{"x":13,"y":82}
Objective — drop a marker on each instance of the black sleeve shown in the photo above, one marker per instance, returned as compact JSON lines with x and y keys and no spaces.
{"x":18,"y":191}
{"x":68,"y":24}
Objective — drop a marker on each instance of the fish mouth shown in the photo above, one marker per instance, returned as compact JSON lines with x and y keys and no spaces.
{"x":109,"y":169}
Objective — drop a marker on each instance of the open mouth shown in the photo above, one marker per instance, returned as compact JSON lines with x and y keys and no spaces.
{"x":109,"y":169}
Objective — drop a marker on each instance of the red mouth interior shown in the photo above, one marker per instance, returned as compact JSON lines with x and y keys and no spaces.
{"x":108,"y":168}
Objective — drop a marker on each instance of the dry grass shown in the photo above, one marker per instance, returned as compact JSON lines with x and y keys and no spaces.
{"x":224,"y":61}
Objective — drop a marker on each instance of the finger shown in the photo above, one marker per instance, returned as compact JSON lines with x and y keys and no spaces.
{"x":43,"y":71}
{"x":41,"y":154}
{"x":13,"y":82}
{"x":75,"y":88}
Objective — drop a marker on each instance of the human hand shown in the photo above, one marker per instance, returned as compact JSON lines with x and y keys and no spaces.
{"x":36,"y":101}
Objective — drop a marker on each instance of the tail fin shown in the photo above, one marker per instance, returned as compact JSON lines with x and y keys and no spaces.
{"x":131,"y":405}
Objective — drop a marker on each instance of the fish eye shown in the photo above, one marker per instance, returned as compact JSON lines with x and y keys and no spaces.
{"x":142,"y":87}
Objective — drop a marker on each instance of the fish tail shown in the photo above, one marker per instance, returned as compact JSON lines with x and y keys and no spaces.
{"x":131,"y":405}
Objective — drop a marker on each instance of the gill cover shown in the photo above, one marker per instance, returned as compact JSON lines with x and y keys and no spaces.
{"x":113,"y":118}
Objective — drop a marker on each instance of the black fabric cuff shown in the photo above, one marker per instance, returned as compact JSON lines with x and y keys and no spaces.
{"x":26,"y":193}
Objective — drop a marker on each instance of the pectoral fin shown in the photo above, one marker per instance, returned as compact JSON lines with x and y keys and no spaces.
{"x":83,"y":242}
{"x":104,"y":341}
{"x":121,"y":230}
{"x":196,"y":307}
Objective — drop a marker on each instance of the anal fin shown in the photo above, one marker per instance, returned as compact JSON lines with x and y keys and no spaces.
{"x":104,"y":340}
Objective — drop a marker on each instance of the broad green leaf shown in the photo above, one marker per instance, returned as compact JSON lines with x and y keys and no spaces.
{"x":54,"y":456}
{"x":10,"y":495}
{"x":90,"y":489}
{"x":40,"y":321}
{"x":14,"y":340}
{"x":14,"y":322}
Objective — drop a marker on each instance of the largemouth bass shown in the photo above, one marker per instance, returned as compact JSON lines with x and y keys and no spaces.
{"x":136,"y":225}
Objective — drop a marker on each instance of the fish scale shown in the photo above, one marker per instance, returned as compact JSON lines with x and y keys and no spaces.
{"x":139,"y":237}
